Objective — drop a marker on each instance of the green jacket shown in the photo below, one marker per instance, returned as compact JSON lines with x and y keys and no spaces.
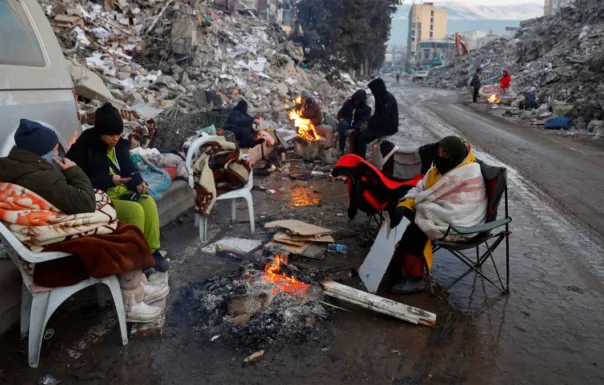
{"x":70,"y":191}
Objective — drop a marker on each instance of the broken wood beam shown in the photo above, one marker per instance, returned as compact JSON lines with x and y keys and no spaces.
{"x":379,"y":304}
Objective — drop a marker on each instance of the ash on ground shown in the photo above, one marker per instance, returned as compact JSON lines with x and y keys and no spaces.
{"x":246,"y":310}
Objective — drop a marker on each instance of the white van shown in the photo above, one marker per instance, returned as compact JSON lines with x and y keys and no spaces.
{"x":35,"y":83}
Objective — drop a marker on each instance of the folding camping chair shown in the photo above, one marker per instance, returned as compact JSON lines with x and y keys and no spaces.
{"x":490,"y":234}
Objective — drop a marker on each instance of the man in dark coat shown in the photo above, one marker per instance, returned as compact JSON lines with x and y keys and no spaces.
{"x":384,"y":121}
{"x":353,"y":115}
{"x":34,"y":164}
{"x":242,"y":125}
{"x":476,"y":83}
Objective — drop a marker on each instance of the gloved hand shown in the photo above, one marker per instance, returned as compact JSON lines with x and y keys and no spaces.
{"x":397,"y":215}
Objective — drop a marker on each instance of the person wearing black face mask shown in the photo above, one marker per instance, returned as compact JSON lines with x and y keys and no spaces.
{"x":441,"y":201}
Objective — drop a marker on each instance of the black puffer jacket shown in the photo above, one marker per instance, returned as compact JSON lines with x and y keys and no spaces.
{"x":239,"y":119}
{"x":90,"y":153}
{"x":358,"y":113}
{"x":384,"y":121}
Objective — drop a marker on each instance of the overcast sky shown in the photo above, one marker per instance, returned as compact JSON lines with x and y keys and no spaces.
{"x":486,"y":2}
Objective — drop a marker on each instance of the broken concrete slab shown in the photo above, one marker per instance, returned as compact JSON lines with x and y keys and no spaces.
{"x":87,"y":83}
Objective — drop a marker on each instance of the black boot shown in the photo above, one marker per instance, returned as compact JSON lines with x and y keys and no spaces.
{"x":409,"y":285}
{"x":160,"y":262}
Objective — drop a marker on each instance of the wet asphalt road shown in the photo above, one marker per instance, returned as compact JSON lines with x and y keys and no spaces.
{"x":549,"y":330}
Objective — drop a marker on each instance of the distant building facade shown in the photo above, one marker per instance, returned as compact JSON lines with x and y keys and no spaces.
{"x":553,"y":6}
{"x":426,"y":22}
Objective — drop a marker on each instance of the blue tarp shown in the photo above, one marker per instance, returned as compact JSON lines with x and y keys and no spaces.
{"x":559,"y":122}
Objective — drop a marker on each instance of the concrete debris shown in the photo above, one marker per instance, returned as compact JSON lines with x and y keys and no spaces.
{"x":166,"y":54}
{"x":562,"y":56}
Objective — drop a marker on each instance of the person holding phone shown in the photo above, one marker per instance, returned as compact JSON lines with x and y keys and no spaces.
{"x":105,"y":157}
{"x":34,"y":163}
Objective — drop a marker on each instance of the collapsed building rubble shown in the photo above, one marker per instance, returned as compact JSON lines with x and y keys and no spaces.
{"x":561,"y":56}
{"x":183,"y":58}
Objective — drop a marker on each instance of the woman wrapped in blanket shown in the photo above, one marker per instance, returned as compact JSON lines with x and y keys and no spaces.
{"x":34,"y":164}
{"x":105,"y":157}
{"x":452,"y":193}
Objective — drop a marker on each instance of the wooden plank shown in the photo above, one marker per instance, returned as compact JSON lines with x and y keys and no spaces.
{"x":379,"y":304}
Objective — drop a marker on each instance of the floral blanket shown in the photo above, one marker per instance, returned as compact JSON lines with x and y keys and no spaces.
{"x":37,"y":223}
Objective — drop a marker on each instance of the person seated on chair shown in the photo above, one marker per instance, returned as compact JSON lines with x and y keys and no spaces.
{"x":352,"y":117}
{"x":452,"y":193}
{"x":105,"y":157}
{"x":312,"y":112}
{"x":242,"y":125}
{"x":384,"y":121}
{"x":34,"y":163}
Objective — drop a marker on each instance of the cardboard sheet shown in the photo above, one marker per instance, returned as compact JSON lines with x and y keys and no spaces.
{"x":295,"y":227}
{"x":375,"y":264}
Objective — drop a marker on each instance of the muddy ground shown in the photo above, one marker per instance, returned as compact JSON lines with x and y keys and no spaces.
{"x":547,"y":331}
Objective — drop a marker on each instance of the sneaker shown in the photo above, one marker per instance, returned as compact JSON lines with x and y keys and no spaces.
{"x":160,"y":262}
{"x":140,"y":312}
{"x":155,"y":292}
{"x":409,"y":285}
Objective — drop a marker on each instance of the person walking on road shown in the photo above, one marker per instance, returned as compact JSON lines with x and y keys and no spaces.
{"x":384,"y":121}
{"x":476,"y":83}
{"x":398,"y":77}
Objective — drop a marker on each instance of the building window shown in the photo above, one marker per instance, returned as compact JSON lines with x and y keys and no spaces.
{"x":432,"y":21}
{"x":432,"y":13}
{"x":431,"y":28}
{"x":431,"y":34}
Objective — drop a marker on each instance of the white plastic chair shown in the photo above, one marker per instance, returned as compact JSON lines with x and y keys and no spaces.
{"x":39,"y":303}
{"x":245,"y":192}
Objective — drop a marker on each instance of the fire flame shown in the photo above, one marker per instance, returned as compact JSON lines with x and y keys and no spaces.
{"x":305,"y":128}
{"x":289,"y":285}
{"x":494,"y":99}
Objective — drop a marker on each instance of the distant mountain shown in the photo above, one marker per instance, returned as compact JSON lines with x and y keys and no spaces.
{"x":463,"y":16}
{"x":459,"y":10}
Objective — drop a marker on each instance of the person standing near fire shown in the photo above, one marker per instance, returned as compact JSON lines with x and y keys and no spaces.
{"x":312,"y":112}
{"x":476,"y":83}
{"x":384,"y":121}
{"x":505,"y":82}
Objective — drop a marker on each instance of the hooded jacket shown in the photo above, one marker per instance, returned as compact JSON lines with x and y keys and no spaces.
{"x":506,"y":80}
{"x":239,"y":118}
{"x":476,"y":80}
{"x":70,"y":191}
{"x":384,"y":121}
{"x":90,"y":153}
{"x":351,"y":112}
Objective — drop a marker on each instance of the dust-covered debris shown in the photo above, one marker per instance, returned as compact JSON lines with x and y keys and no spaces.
{"x":185,"y":59}
{"x":251,"y":312}
{"x":562,"y":56}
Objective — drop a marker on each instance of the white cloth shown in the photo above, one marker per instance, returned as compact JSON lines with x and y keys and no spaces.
{"x":459,"y":198}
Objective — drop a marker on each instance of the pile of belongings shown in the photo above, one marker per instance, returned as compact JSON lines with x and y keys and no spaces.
{"x":296,"y":236}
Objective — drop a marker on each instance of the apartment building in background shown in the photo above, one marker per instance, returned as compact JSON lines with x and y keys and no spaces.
{"x":426,"y":22}
{"x":553,"y":6}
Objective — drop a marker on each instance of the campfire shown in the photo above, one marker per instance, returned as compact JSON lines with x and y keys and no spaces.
{"x":304,"y":127}
{"x":289,"y":285}
{"x":494,"y":99}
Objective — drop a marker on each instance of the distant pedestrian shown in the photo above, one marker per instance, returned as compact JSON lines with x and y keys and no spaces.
{"x":476,"y":83}
{"x":505,"y":82}
{"x":398,"y":77}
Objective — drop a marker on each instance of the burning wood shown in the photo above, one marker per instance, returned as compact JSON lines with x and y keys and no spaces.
{"x":494,"y":99}
{"x":304,"y":127}
{"x":289,"y":285}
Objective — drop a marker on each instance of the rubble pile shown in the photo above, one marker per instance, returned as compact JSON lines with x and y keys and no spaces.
{"x":247,"y":311}
{"x":561,"y":56}
{"x":174,"y":58}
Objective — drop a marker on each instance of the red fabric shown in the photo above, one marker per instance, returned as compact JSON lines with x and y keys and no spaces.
{"x":172,"y":171}
{"x":412,"y":264}
{"x":491,"y":186}
{"x":352,"y":160}
{"x":97,"y":256}
{"x":505,"y":81}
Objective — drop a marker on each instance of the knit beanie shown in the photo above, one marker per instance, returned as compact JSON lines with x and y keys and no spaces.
{"x":108,"y":120}
{"x":36,"y":138}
